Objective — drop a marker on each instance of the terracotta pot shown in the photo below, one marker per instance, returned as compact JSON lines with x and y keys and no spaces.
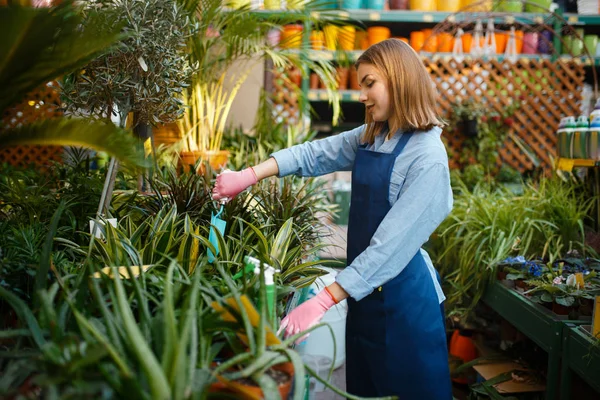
{"x":353,"y":78}
{"x":398,"y":4}
{"x":314,"y":81}
{"x":216,"y":159}
{"x":342,"y":77}
{"x":166,"y":134}
{"x":501,"y":275}
{"x":560,"y":309}
{"x":248,"y":392}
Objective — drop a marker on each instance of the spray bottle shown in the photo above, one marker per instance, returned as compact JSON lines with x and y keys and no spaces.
{"x":565,"y":135}
{"x":579,"y":141}
{"x":269,"y":272}
{"x":593,"y":139}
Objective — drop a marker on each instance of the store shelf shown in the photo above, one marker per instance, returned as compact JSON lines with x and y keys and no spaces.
{"x":536,"y":322}
{"x":580,"y":355}
{"x":330,"y":55}
{"x":321,"y":95}
{"x":430,"y":16}
{"x":365,"y":15}
{"x":578,"y":19}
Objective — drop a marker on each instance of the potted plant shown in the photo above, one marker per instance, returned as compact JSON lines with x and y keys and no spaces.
{"x":228,"y":45}
{"x":465,"y":116}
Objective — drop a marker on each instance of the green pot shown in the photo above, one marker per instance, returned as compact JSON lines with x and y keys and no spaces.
{"x":509,"y":6}
{"x":537,"y":6}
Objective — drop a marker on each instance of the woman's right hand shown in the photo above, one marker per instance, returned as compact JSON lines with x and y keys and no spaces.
{"x":231,"y":183}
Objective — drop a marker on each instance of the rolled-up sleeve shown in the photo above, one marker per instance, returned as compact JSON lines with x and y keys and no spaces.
{"x":425,"y":200}
{"x":319,"y":157}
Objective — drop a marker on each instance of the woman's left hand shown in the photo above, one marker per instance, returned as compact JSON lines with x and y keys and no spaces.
{"x":307,"y":315}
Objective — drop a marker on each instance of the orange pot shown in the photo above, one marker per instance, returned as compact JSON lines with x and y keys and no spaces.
{"x":317,"y":40}
{"x":291,"y":36}
{"x":361,"y":40}
{"x":462,"y":346}
{"x":467,"y":42}
{"x":431,"y":43}
{"x":417,"y":39}
{"x":445,"y":42}
{"x":519,"y":41}
{"x":501,"y":39}
{"x":217,"y":159}
{"x":248,"y":392}
{"x":378,"y":34}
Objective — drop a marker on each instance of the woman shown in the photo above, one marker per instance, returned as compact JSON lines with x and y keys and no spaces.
{"x":395,"y":335}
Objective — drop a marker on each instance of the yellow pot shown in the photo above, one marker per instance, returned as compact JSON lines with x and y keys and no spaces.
{"x":423,"y":5}
{"x":346,"y":36}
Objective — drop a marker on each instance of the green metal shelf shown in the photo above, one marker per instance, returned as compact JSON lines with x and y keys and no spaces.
{"x":536,"y":322}
{"x":330,"y":55}
{"x":365,"y":15}
{"x":321,"y":95}
{"x":578,"y":19}
{"x":580,"y":355}
{"x":430,"y":16}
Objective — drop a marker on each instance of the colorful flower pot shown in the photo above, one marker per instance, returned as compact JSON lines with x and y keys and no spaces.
{"x":448,"y":5}
{"x":351,"y":4}
{"x":509,"y":6}
{"x":398,"y":4}
{"x":378,"y":34}
{"x":530,"y":43}
{"x":346,"y":36}
{"x":291,"y":36}
{"x":374,"y":4}
{"x":422,"y":5}
{"x":538,"y":6}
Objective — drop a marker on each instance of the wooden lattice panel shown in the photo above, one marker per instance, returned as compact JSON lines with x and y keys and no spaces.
{"x":285,"y":96}
{"x":42,"y":103}
{"x":550,"y":90}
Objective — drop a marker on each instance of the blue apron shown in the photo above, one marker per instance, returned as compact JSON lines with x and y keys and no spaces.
{"x":395,"y":337}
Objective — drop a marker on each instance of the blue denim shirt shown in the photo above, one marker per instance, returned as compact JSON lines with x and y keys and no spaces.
{"x":420,"y":198}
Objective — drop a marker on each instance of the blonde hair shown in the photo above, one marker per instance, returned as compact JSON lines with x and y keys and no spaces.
{"x":412,"y":93}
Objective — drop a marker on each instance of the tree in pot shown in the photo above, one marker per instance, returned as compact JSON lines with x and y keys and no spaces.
{"x":228,"y":45}
{"x":141,"y":79}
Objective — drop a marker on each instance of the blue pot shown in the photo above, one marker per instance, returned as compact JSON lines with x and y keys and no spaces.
{"x":351,"y":4}
{"x":374,"y":4}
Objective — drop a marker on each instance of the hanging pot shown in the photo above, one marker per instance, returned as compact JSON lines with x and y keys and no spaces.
{"x":469,"y":127}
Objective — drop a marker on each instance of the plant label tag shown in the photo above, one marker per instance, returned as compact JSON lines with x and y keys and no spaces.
{"x":99,"y":231}
{"x":579,"y":280}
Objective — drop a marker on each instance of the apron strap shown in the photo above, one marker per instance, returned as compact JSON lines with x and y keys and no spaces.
{"x":402,"y":142}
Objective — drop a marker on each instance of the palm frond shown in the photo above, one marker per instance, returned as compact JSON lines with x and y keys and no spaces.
{"x":41,"y":44}
{"x":77,"y":132}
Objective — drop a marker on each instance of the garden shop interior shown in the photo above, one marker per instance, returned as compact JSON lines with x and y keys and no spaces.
{"x":271,"y":199}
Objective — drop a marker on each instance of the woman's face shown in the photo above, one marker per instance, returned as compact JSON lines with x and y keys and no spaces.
{"x":374,"y":92}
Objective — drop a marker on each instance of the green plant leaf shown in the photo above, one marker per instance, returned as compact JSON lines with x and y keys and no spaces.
{"x":97,"y":135}
{"x":42,"y":44}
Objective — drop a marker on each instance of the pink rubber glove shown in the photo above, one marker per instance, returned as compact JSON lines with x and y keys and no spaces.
{"x":307,"y":314}
{"x":229,"y":183}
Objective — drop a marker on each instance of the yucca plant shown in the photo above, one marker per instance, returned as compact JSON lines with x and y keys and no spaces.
{"x":237,"y":37}
{"x":41,"y":44}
